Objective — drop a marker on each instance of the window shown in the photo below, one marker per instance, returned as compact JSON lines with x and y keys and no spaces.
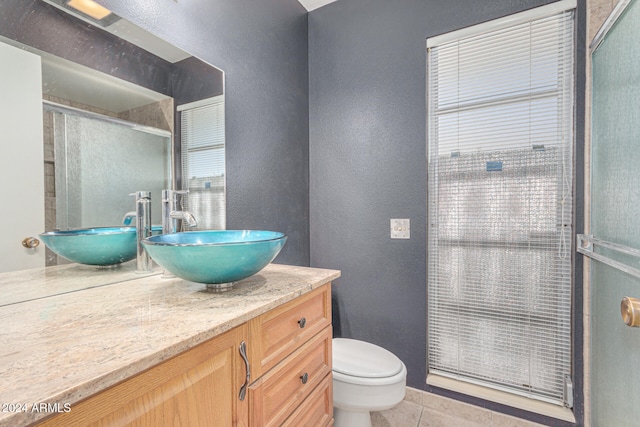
{"x":500,"y":180}
{"x":203,"y":161}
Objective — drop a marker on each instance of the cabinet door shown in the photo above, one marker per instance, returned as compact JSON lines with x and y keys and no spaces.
{"x":197,"y":388}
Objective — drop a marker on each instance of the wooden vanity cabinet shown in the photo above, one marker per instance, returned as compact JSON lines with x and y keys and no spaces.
{"x":289,"y":350}
{"x":197,"y":388}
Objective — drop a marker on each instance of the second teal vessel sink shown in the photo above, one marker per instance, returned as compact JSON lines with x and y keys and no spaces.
{"x":215,"y":257}
{"x":101,"y":246}
{"x":93,"y":246}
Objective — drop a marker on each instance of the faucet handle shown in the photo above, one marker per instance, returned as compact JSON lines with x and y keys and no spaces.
{"x":168,"y":195}
{"x":179,"y":192}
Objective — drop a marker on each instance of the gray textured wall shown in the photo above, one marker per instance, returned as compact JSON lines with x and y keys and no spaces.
{"x":352,"y":119}
{"x":367,"y":128}
{"x":262,"y":48}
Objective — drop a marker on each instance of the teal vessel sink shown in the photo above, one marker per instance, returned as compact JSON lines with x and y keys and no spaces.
{"x":215,"y":257}
{"x":101,"y":246}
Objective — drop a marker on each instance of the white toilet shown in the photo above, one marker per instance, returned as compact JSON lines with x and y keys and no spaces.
{"x":366,"y":378}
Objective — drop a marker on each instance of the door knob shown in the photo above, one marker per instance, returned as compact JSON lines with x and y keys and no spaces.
{"x":630,"y":310}
{"x":30,"y":242}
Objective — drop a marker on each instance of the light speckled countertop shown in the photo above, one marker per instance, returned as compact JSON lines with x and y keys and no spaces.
{"x":72,"y":344}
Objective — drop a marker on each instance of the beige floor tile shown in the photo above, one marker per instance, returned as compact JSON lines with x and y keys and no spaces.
{"x":502,"y":420}
{"x":405,"y":414}
{"x":423,"y":409}
{"x":414,"y":395}
{"x":461,"y":410}
{"x":433,"y":418}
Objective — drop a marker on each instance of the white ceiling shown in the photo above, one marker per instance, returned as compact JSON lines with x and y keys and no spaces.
{"x":314,"y":4}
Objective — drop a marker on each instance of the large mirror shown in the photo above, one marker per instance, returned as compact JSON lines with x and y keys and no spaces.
{"x":116,"y":108}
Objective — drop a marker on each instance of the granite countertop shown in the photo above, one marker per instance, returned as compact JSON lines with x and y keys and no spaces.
{"x":65,"y":346}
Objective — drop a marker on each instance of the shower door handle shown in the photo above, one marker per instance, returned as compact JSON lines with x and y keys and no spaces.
{"x":630,"y":310}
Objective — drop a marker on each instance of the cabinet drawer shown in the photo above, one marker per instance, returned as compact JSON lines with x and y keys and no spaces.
{"x":276,"y":334}
{"x":277,"y":394}
{"x":316,"y":410}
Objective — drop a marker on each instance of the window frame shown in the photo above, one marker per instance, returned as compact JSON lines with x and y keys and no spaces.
{"x":502,"y":23}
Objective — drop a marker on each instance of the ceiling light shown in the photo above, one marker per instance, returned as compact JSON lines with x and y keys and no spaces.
{"x":90,"y":7}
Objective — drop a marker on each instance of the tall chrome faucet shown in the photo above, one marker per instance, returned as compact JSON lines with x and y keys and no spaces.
{"x":171,"y":214}
{"x":143,"y":229}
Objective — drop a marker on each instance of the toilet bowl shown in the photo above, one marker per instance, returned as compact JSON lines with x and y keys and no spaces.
{"x":366,"y":378}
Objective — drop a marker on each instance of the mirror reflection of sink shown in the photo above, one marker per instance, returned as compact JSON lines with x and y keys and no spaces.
{"x":215,"y":257}
{"x":101,"y":246}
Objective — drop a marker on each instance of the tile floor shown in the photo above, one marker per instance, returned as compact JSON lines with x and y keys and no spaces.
{"x":420,"y":409}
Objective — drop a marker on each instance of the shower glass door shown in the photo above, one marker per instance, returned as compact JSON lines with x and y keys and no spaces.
{"x":615,"y":212}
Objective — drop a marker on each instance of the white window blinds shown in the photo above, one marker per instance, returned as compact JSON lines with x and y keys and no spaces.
{"x":500,"y":144}
{"x":203,"y":161}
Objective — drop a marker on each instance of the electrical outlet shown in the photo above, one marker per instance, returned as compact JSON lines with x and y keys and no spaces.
{"x":400,"y":228}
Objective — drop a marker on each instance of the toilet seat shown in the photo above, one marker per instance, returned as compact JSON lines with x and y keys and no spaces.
{"x":359,"y":359}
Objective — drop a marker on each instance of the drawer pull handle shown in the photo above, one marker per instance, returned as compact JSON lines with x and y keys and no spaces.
{"x":243,"y":353}
{"x":302,"y":322}
{"x":304,"y":378}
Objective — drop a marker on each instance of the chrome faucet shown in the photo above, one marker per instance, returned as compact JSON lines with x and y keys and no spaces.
{"x":171,"y":214}
{"x":143,"y":229}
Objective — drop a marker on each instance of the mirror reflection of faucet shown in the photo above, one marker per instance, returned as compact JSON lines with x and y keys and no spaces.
{"x":142,"y":214}
{"x":128,"y":218}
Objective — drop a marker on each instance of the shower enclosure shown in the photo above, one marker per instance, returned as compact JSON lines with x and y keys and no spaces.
{"x":615,"y":197}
